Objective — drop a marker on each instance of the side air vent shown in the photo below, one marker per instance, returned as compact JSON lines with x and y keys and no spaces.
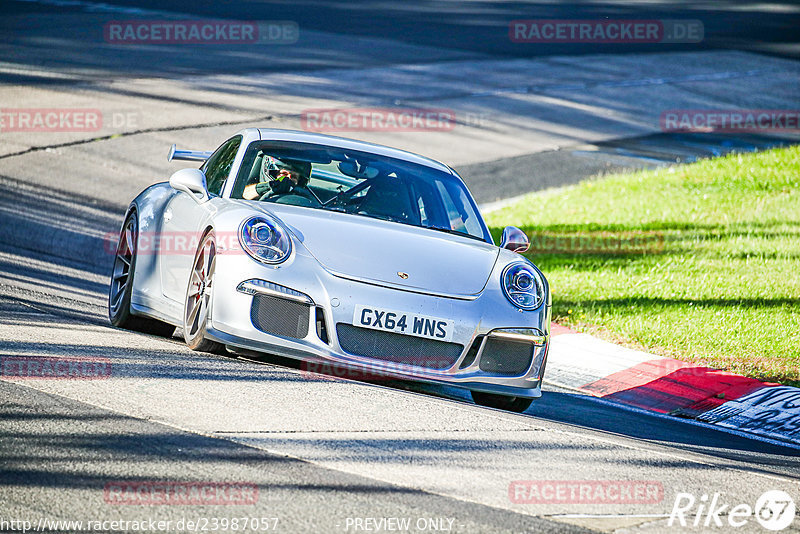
{"x":469,"y":359}
{"x":322,"y":327}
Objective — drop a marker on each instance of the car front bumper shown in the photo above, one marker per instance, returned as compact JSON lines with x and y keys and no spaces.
{"x":485,"y":326}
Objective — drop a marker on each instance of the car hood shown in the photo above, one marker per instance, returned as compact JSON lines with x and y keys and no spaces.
{"x":381,"y":252}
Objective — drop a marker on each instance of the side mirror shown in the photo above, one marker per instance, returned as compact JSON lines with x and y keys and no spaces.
{"x":514,"y":239}
{"x":192,"y":181}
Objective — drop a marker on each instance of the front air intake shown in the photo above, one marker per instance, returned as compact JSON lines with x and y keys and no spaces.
{"x":280,"y":317}
{"x":397,"y":348}
{"x":506,"y":357}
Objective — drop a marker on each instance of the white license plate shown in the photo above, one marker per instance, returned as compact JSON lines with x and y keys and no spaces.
{"x":412,"y":324}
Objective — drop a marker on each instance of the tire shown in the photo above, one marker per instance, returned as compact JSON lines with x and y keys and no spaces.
{"x":121,"y":286}
{"x":501,"y":402}
{"x":199,"y":292}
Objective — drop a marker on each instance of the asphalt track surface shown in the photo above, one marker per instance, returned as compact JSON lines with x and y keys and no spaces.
{"x":322,"y":451}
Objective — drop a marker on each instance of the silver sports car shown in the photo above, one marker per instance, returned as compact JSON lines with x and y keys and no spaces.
{"x":338,"y":253}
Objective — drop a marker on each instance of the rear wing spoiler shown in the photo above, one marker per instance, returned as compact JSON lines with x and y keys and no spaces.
{"x":189,"y":155}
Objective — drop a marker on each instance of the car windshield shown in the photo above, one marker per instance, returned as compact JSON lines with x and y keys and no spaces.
{"x":358,"y":183}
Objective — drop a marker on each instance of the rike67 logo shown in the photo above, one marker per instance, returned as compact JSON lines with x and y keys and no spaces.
{"x":774,"y":510}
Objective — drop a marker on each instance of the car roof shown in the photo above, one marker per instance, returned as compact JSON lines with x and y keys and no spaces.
{"x":276,"y":134}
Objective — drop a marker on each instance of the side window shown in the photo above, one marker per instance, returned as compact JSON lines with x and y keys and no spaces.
{"x":218,"y":166}
{"x":461,"y":216}
{"x":455,"y":220}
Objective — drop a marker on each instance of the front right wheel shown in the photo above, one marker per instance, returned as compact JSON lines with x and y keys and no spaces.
{"x":198,"y":297}
{"x":501,"y":402}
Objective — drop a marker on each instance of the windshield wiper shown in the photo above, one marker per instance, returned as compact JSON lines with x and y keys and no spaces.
{"x":382,"y":217}
{"x":451,"y":231}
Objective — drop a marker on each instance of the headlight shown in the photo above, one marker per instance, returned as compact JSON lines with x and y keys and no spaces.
{"x":523,"y":286}
{"x":264,"y":240}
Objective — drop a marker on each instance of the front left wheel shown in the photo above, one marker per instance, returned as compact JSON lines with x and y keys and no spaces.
{"x":198,"y":297}
{"x":119,"y":291}
{"x":501,"y":402}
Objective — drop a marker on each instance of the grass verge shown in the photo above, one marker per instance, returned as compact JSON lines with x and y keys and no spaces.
{"x":699,"y":262}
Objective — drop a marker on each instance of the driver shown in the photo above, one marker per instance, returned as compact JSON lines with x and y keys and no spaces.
{"x":281,"y":177}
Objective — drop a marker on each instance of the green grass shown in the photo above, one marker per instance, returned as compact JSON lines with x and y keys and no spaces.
{"x":699,"y":262}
